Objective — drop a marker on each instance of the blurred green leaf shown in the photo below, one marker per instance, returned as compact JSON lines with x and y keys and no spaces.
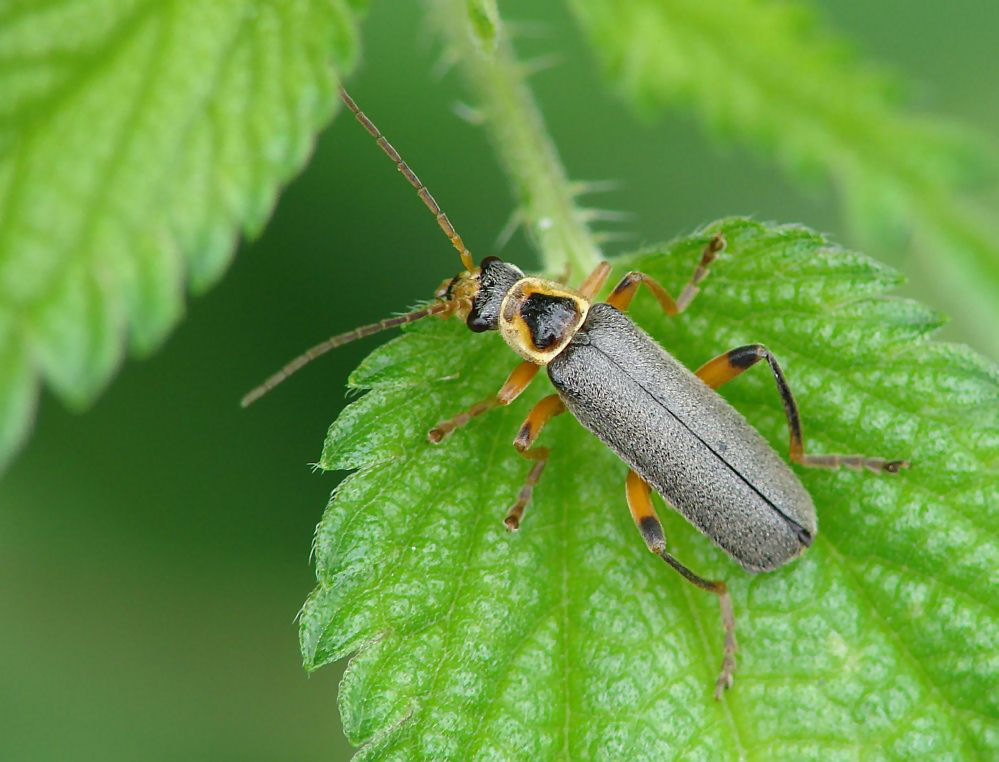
{"x":763,"y":72}
{"x":136,"y":141}
{"x":569,"y":640}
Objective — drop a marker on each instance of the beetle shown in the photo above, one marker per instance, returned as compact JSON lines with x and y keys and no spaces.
{"x":674,"y":432}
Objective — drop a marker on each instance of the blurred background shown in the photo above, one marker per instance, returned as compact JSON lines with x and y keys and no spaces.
{"x":154,"y":551}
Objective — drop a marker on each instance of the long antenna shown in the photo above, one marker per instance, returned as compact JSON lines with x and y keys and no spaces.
{"x":421,"y":189}
{"x":338,"y":341}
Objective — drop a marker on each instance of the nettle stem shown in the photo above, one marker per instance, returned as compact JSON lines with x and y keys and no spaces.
{"x":543,"y":192}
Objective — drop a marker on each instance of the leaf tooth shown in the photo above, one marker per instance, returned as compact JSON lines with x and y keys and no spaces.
{"x":18,"y":387}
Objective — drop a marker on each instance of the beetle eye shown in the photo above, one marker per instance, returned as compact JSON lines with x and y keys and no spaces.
{"x":477,"y":323}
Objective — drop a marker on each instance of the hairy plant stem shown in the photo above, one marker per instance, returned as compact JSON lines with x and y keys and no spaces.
{"x":543,"y":192}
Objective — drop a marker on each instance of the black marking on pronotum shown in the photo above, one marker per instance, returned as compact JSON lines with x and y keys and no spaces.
{"x":548,"y":318}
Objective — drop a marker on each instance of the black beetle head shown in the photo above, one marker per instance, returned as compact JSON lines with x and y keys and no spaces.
{"x":496,"y":278}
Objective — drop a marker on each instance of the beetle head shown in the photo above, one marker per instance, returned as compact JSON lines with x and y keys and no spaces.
{"x":476,"y":297}
{"x":536,"y":317}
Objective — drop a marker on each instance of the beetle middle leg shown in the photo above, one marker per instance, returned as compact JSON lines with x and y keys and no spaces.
{"x":540,"y":414}
{"x":727,"y":366}
{"x":643,"y":512}
{"x":625,"y":290}
{"x":516,"y":382}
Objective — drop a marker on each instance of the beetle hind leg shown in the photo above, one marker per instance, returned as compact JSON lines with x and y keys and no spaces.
{"x":540,"y":414}
{"x":644,"y":513}
{"x":727,"y":366}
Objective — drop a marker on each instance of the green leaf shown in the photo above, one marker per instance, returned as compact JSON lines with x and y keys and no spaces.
{"x":569,"y":640}
{"x":763,"y":72}
{"x":136,"y":141}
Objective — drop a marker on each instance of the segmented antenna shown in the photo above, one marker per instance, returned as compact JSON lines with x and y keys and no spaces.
{"x":338,"y":341}
{"x":421,"y":189}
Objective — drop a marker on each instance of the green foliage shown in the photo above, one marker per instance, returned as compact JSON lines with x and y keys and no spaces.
{"x":136,"y":141}
{"x":760,"y":71}
{"x":568,"y":639}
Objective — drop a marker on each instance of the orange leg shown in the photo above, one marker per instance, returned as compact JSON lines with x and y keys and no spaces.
{"x":644,"y":513}
{"x":727,"y":366}
{"x":625,"y":291}
{"x":595,"y":280}
{"x":540,"y":414}
{"x":516,"y":382}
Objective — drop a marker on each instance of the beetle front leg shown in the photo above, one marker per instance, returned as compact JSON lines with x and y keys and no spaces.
{"x":540,"y":414}
{"x":625,"y":290}
{"x":516,"y":382}
{"x":727,"y":366}
{"x":639,"y":495}
{"x":595,"y":280}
